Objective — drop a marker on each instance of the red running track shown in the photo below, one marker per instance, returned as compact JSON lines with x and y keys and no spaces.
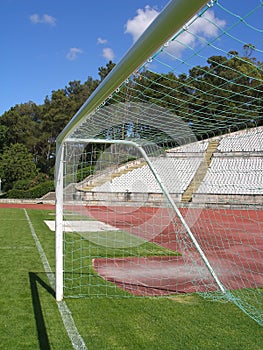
{"x":232,"y":241}
{"x":37,"y":206}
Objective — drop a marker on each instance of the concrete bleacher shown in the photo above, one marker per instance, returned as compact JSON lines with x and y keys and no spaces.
{"x":176,"y":174}
{"x":194,"y":147}
{"x":226,"y":169}
{"x":243,"y":141}
{"x":235,"y":174}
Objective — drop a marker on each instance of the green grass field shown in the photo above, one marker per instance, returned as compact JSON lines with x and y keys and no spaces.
{"x":30,"y":318}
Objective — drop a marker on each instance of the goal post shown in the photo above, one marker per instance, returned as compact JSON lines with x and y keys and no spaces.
{"x":59,"y":224}
{"x":166,"y":193}
{"x":172,"y":18}
{"x":159,"y":175}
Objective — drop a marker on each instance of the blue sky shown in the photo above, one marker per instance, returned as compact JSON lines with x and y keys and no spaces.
{"x":48,"y":43}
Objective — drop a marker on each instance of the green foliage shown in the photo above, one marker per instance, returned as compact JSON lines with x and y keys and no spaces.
{"x":84,"y":172}
{"x":21,"y":122}
{"x":3,"y":136}
{"x":41,"y":177}
{"x":37,"y":127}
{"x":16,"y":164}
{"x":22,"y":185}
{"x":104,"y":71}
{"x":37,"y":191}
{"x":34,"y":188}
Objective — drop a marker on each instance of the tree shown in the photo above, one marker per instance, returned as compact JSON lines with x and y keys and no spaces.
{"x":22,"y":122}
{"x":16,"y":163}
{"x":3,"y":136}
{"x":104,"y":71}
{"x":78,"y":93}
{"x":249,"y":49}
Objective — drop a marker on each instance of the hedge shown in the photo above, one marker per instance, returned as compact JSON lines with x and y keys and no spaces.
{"x":33,"y":192}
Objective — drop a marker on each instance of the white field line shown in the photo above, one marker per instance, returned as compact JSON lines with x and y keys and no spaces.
{"x":69,"y":324}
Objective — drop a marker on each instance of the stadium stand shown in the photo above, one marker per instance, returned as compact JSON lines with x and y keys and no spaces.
{"x":219,"y":170}
{"x":175,"y":172}
{"x":233,"y":175}
{"x":245,"y":141}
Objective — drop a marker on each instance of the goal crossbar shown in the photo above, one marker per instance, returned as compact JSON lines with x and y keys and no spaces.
{"x":169,"y":21}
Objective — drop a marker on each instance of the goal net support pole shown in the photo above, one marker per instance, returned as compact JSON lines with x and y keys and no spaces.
{"x":180,"y":217}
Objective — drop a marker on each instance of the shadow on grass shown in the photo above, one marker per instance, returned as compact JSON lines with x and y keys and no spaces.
{"x":35,"y":280}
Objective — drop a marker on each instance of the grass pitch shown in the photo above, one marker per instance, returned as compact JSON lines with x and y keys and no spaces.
{"x":29,"y":317}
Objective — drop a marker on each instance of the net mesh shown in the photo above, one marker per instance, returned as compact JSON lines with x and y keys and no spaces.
{"x":163,"y":181}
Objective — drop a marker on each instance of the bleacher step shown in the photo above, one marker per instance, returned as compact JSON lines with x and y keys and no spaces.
{"x":109,"y":177}
{"x":201,"y":172}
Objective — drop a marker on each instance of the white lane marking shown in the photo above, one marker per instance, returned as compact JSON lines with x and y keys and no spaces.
{"x":69,"y":324}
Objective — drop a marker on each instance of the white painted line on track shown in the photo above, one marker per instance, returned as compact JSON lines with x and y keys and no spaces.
{"x":69,"y":324}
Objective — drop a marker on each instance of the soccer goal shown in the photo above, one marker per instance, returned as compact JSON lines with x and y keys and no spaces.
{"x":159,"y":176}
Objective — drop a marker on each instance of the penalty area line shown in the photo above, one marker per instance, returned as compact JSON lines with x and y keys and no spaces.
{"x":69,"y":324}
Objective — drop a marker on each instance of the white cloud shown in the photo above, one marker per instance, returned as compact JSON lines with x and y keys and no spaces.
{"x":137,"y":25}
{"x":208,"y":24}
{"x":34,"y":18}
{"x":205,"y":27}
{"x":73,"y":53}
{"x":108,"y":53}
{"x":102,"y":41}
{"x":202,"y":28}
{"x":46,"y":19}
